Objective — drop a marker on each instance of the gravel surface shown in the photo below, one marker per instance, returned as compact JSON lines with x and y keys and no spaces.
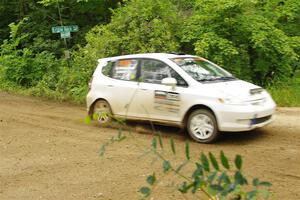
{"x":47,"y":152}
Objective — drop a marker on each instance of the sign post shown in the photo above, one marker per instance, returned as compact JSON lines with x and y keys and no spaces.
{"x":65,"y":31}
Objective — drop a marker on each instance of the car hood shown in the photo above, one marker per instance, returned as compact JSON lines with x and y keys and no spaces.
{"x":241,"y":90}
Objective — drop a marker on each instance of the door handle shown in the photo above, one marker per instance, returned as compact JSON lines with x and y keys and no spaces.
{"x":109,"y":85}
{"x":144,"y":89}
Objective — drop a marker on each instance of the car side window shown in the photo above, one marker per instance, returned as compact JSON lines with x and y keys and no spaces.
{"x":153,"y":71}
{"x":125,"y":69}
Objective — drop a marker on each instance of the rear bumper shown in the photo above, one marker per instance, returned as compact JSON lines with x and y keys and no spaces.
{"x":245,"y":118}
{"x":89,"y":101}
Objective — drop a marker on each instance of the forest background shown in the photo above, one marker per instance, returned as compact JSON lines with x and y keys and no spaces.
{"x":256,"y":40}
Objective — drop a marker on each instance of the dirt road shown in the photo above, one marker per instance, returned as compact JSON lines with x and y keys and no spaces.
{"x":47,"y":152}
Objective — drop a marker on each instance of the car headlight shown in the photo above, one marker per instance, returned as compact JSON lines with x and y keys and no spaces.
{"x":231,"y":101}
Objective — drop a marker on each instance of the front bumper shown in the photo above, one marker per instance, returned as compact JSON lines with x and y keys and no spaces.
{"x":244,"y":118}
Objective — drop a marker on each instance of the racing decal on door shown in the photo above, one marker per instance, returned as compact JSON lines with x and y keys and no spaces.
{"x":166,"y":101}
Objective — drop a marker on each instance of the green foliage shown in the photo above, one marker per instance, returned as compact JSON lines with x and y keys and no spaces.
{"x":28,"y":69}
{"x":205,"y":162}
{"x":243,"y":37}
{"x":287,"y":93}
{"x":213,"y":161}
{"x":255,"y":40}
{"x":120,"y":137}
{"x":238,"y":162}
{"x":139,"y":27}
{"x":32,"y":55}
{"x":173,"y":146}
{"x":187,"y":150}
{"x":214,"y":183}
{"x":23,"y":66}
{"x":44,"y":14}
{"x":224,"y":160}
{"x":145,"y":191}
{"x":160,"y":141}
{"x":151,"y":179}
{"x":287,"y":96}
{"x":166,"y":166}
{"x":154,"y":143}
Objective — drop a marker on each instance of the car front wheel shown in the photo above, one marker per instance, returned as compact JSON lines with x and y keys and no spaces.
{"x":202,"y":126}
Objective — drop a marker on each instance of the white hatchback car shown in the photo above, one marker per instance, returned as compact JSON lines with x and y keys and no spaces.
{"x":181,"y":90}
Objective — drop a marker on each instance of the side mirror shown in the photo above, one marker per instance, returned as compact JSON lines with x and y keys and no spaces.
{"x":169,"y":82}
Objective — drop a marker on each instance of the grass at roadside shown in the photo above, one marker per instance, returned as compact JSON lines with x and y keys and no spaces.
{"x":40,"y":91}
{"x":287,"y":94}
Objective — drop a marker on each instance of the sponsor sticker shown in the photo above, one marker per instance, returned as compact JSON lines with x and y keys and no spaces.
{"x":166,"y":101}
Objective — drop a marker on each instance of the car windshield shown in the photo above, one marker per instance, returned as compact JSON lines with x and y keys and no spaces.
{"x":203,"y":70}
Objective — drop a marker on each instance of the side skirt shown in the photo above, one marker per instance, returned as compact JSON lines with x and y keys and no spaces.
{"x":161,"y":122}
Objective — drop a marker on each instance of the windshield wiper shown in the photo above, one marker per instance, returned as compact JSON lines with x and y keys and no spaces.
{"x":226,"y":78}
{"x":206,"y":79}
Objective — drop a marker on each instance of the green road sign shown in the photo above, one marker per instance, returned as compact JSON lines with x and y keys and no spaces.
{"x":60,"y":29}
{"x":65,"y":31}
{"x":65,"y":34}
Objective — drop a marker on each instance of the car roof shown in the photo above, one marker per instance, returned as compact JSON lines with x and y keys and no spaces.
{"x":147,"y":55}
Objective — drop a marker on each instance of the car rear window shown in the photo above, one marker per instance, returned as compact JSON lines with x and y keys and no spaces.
{"x":107,"y":69}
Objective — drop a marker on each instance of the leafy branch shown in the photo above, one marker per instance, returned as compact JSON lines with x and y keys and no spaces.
{"x":214,"y":178}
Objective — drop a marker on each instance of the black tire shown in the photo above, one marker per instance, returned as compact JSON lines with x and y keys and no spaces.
{"x":101,"y":112}
{"x":202,"y":126}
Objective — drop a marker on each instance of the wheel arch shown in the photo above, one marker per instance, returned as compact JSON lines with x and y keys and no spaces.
{"x":90,"y":111}
{"x":195,"y":107}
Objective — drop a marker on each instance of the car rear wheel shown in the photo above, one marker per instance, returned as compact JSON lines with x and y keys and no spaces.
{"x":202,"y":126}
{"x":102,"y":112}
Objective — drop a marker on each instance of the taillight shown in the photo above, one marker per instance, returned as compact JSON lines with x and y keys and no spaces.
{"x":90,"y":83}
